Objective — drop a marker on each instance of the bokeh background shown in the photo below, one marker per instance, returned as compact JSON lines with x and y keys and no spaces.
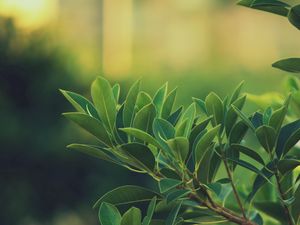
{"x":197,"y":45}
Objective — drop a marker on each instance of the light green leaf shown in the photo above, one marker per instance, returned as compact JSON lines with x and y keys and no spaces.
{"x":144,"y":118}
{"x":244,"y":118}
{"x":139,"y":134}
{"x":159,"y":98}
{"x":214,"y":106}
{"x":204,"y":143}
{"x":290,"y":65}
{"x":80,"y":103}
{"x":236,"y":93}
{"x":127,"y":194}
{"x":109,"y":214}
{"x":129,"y":105}
{"x":198,"y":129}
{"x":201,"y":104}
{"x":132,"y":217}
{"x":180,"y":145}
{"x":181,"y":129}
{"x":143,"y":99}
{"x":266,"y":136}
{"x":90,"y":124}
{"x":116,"y":92}
{"x":267,"y":115}
{"x":168,"y":104}
{"x":167,"y":184}
{"x":104,"y":101}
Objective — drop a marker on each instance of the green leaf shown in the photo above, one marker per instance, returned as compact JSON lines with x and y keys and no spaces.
{"x":143,"y":99}
{"x":181,"y":129}
{"x":204,"y":143}
{"x":269,"y":3}
{"x":177,"y":194}
{"x":168,"y":104}
{"x":80,"y":103}
{"x":144,"y":118}
{"x":294,"y":18}
{"x":129,"y":104}
{"x":150,"y":211}
{"x":206,"y":168}
{"x":162,"y":129}
{"x":104,"y":101}
{"x":132,"y":217}
{"x":236,"y":93}
{"x":174,"y":117}
{"x":93,"y":151}
{"x":267,"y":137}
{"x":159,"y":98}
{"x":244,"y":118}
{"x":128,"y":194}
{"x":290,"y":65}
{"x":257,"y":120}
{"x":238,"y":132}
{"x":166,"y":184}
{"x":189,"y":115}
{"x":139,"y":134}
{"x":248,"y":166}
{"x":267,"y":115}
{"x":171,"y":219}
{"x":198,"y":129}
{"x":141,"y":153}
{"x":277,"y":118}
{"x":272,"y":8}
{"x":90,"y":124}
{"x":109,"y":214}
{"x":180,"y":145}
{"x":288,"y":136}
{"x":201,"y":104}
{"x":231,"y":115}
{"x":249,"y":152}
{"x":116,"y":92}
{"x":260,"y":180}
{"x":214,"y":106}
{"x":272,"y":209}
{"x":287,"y":165}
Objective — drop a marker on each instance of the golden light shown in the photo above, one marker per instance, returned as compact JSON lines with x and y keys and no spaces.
{"x":29,"y":13}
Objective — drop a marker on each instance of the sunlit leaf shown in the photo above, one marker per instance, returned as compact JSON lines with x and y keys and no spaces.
{"x":214,"y":106}
{"x":132,"y":217}
{"x":168,"y":104}
{"x":109,"y":214}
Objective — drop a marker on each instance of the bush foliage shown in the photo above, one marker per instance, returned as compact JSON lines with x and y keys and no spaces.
{"x":194,"y":155}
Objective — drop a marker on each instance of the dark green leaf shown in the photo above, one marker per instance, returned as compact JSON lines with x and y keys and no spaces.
{"x":238,"y":132}
{"x":141,"y":153}
{"x":177,"y":194}
{"x":294,"y":18}
{"x":109,"y":214}
{"x":198,"y":129}
{"x":129,"y":105}
{"x":277,"y":9}
{"x":174,"y":117}
{"x":90,"y":124}
{"x":244,"y":118}
{"x":132,"y":217}
{"x":290,"y":65}
{"x":127,"y":194}
{"x":269,"y":3}
{"x":288,"y":137}
{"x":171,"y":219}
{"x":257,"y":120}
{"x":249,"y":152}
{"x":287,"y":165}
{"x":162,"y":129}
{"x":166,"y":184}
{"x":267,"y":137}
{"x":150,"y":211}
{"x":104,"y":101}
{"x":272,"y":209}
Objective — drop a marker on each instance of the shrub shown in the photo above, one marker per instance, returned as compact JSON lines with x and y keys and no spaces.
{"x":194,"y":156}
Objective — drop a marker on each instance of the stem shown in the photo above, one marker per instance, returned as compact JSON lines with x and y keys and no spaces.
{"x":226,"y":213}
{"x":285,"y":207}
{"x":234,"y":189}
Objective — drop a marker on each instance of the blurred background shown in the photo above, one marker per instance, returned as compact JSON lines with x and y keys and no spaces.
{"x":197,"y":45}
